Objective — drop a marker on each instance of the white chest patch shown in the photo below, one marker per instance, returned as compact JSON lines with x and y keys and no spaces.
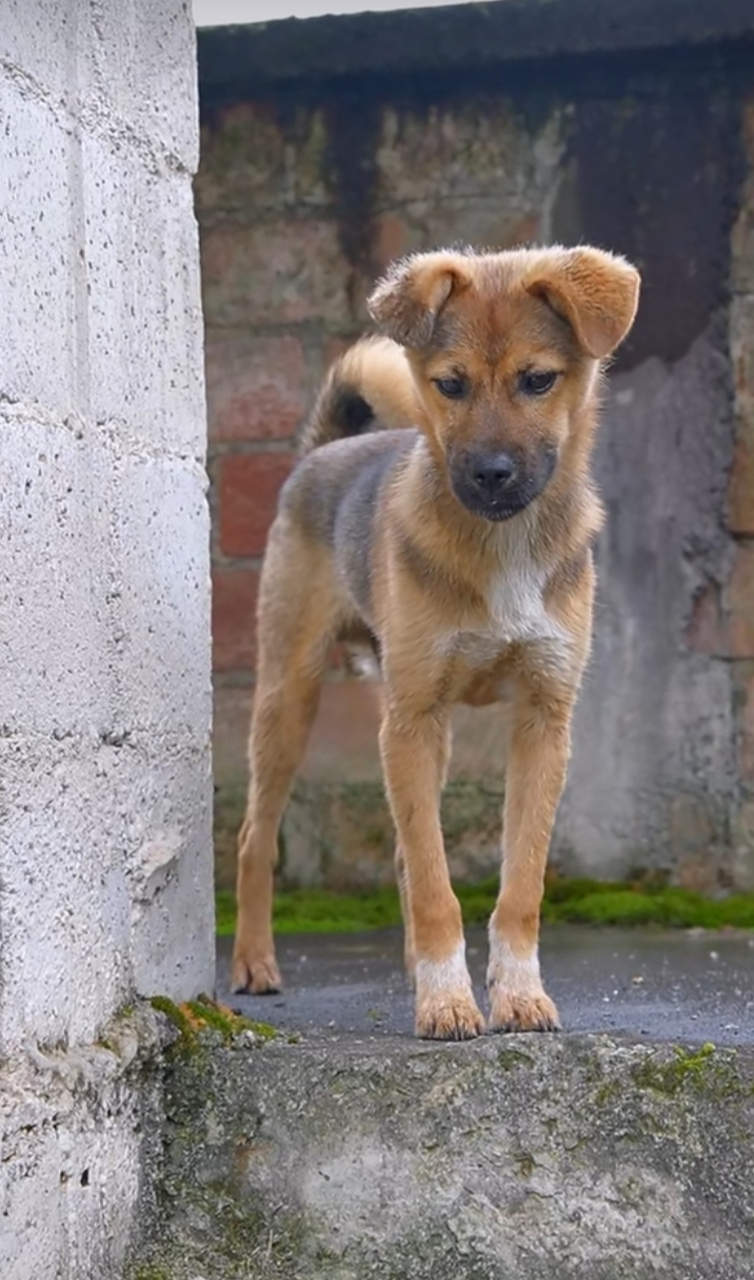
{"x":516,"y":614}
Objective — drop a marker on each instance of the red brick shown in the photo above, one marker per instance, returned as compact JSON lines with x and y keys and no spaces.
{"x":344,"y":745}
{"x":335,"y":347}
{"x":391,"y":240}
{"x":525,"y":231}
{"x":745,"y":722}
{"x":740,"y":602}
{"x":276,"y":272}
{"x":706,"y":631}
{"x":741,"y":487}
{"x":256,"y":387}
{"x":231,"y":721}
{"x":251,"y":162}
{"x":234,"y":602}
{"x":248,"y":490}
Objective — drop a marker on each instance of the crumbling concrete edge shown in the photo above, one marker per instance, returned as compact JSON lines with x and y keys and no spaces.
{"x":575,"y":1156}
{"x":68,"y":1117}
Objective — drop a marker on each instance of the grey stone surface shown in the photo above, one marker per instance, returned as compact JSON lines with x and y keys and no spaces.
{"x":654,"y":985}
{"x":508,"y":1157}
{"x":344,"y":1148}
{"x":654,"y":724}
{"x":105,"y":787}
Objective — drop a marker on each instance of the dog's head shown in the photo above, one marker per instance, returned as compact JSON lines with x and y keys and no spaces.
{"x":505,"y":350}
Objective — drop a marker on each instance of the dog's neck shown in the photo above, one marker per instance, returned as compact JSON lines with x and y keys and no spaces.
{"x":545,"y":531}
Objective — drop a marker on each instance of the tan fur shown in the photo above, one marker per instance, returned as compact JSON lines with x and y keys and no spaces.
{"x":463,"y":594}
{"x":379,"y":370}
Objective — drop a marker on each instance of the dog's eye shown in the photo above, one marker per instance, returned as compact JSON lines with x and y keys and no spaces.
{"x":451,"y":388}
{"x":533,"y":383}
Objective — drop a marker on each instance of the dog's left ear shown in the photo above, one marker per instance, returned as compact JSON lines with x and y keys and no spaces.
{"x":406,"y":303}
{"x":596,"y":292}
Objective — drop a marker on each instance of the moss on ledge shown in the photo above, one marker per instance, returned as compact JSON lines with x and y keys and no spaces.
{"x":703,"y":1069}
{"x":204,"y":1015}
{"x":577,"y":901}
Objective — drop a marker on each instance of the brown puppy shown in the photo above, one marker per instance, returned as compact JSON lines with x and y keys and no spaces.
{"x":461,"y":544}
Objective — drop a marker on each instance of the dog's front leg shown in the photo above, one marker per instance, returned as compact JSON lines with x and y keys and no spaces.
{"x":413,"y":755}
{"x":537,"y":765}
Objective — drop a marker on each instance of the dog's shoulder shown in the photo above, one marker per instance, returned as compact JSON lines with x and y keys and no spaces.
{"x":342,"y":477}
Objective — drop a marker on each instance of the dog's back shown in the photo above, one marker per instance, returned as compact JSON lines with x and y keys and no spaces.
{"x":361,"y":427}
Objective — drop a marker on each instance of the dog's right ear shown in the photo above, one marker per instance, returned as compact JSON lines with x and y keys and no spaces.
{"x":405,"y":304}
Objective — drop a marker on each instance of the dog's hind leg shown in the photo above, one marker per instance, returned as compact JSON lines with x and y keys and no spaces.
{"x":297,"y":617}
{"x":409,"y":945}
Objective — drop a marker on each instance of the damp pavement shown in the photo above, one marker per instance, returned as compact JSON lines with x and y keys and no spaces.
{"x":689,"y":987}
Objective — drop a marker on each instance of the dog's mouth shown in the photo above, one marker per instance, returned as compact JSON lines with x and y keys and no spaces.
{"x":497,"y":486}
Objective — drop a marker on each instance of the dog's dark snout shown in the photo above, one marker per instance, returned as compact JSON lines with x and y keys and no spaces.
{"x":491,"y":472}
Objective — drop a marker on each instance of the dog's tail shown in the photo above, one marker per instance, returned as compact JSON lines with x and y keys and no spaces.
{"x":369,"y":388}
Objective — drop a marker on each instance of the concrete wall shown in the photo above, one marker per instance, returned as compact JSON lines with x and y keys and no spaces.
{"x":307,"y":188}
{"x":105,"y":792}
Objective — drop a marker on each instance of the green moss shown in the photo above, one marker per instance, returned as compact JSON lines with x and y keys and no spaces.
{"x":621,"y":906}
{"x":607,"y":1093}
{"x":510,"y":1059}
{"x":178,"y":1017}
{"x":150,"y":1272}
{"x":594,"y":903}
{"x":579,"y":901}
{"x":204,"y":1014}
{"x":225,"y":913}
{"x":224,"y":1020}
{"x":320,"y":911}
{"x":700,"y":1069}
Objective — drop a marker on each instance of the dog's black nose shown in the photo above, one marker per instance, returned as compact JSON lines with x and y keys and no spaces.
{"x":492,"y":472}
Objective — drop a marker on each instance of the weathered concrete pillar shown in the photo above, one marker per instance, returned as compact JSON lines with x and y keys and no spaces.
{"x":105,"y":785}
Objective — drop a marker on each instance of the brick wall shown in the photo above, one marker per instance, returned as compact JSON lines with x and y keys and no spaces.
{"x":305,"y":193}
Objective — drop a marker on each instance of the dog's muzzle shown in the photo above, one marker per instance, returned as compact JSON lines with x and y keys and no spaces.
{"x":498,"y":485}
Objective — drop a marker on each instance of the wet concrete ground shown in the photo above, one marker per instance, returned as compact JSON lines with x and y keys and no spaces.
{"x":662,"y":986}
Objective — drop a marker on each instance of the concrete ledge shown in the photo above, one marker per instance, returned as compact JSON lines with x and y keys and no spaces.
{"x":577,"y":1156}
{"x":399,"y":42}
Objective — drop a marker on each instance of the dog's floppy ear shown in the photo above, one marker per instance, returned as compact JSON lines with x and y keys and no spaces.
{"x":596,"y":292}
{"x":405,"y":304}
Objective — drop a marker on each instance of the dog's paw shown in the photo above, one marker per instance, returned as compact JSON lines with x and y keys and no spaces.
{"x":511,"y":1012}
{"x":256,"y":974}
{"x":451,"y":1016}
{"x":445,"y":1004}
{"x":517,"y":998}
